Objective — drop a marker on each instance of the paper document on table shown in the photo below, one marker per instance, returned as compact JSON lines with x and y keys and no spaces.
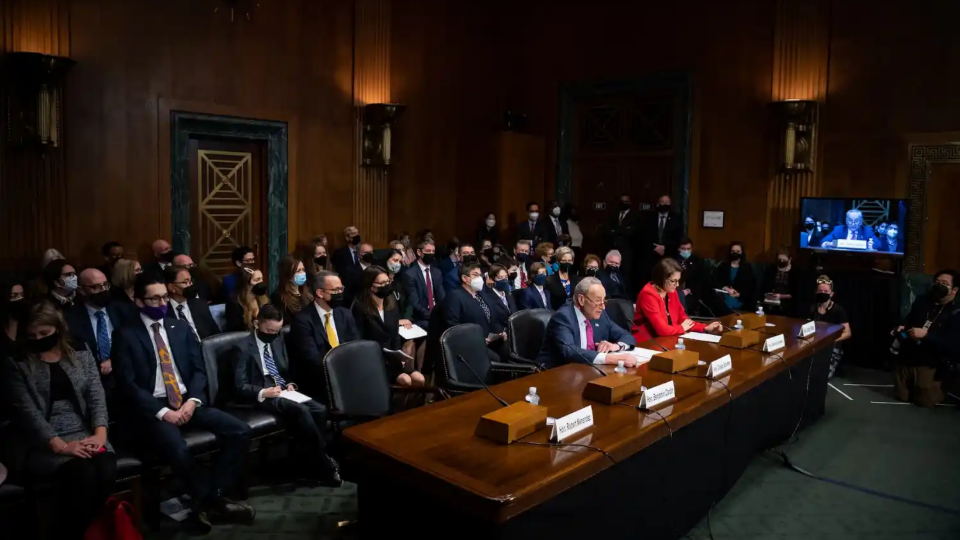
{"x":699,"y":336}
{"x":721,"y":291}
{"x":771,"y":301}
{"x":643,"y":354}
{"x":413,"y":332}
{"x":293,"y":395}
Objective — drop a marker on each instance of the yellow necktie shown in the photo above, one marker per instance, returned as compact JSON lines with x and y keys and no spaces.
{"x":331,"y":335}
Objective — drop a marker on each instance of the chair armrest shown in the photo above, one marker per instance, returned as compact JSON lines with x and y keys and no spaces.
{"x":339,"y":416}
{"x":513,"y":368}
{"x":517,"y":359}
{"x":420,"y":390}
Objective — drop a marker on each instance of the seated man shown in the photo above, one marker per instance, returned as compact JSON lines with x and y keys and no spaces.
{"x":613,"y":282}
{"x":451,"y":277}
{"x":318,"y":329}
{"x":423,"y":283}
{"x":580,"y":331}
{"x":853,"y":230}
{"x":201,"y":280}
{"x":185,"y":306}
{"x":162,"y":381}
{"x":162,"y":257}
{"x":261,"y":374}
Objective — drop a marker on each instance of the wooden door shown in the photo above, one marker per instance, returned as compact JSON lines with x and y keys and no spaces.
{"x":227,"y":195}
{"x":940,"y":249}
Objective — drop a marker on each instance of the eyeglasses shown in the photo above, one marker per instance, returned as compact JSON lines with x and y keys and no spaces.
{"x":100,"y":287}
{"x":673,"y":282}
{"x":156,"y":300}
{"x":944,"y":283}
{"x":183,"y":284}
{"x":16,"y":296}
{"x":191,"y":266}
{"x":338,"y":290}
{"x":138,"y":271}
{"x":824,"y":282}
{"x":598,"y":303}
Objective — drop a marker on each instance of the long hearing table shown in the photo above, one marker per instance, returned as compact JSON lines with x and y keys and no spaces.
{"x":425,"y":467}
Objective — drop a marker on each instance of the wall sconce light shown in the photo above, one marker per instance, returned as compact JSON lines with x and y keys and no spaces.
{"x":34,"y":107}
{"x":798,"y":129}
{"x":377,"y":121}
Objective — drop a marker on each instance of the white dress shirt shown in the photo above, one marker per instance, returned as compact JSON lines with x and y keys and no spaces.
{"x":503,"y":298}
{"x":92,"y":312}
{"x":186,"y":311}
{"x":576,"y":236}
{"x":263,"y":365}
{"x":556,"y":225}
{"x":323,"y":320}
{"x":159,"y":390}
{"x":623,"y":214}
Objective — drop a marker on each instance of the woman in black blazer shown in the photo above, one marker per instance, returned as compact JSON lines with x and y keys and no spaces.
{"x":735,"y":276}
{"x":560,"y":284}
{"x":377,"y":317}
{"x":782,"y":283}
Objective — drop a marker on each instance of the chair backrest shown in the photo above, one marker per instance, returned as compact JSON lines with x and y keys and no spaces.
{"x":468,"y":342}
{"x":526,"y":329}
{"x":620,"y":311}
{"x":215,"y":351}
{"x":357,"y":379}
{"x":219,"y":313}
{"x":518,"y":296}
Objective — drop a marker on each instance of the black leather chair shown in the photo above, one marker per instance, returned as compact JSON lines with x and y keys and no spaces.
{"x":526,"y":329}
{"x":620,"y":311}
{"x":466,"y":341}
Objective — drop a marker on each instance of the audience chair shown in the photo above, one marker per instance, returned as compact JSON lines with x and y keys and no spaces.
{"x":465,"y":343}
{"x":526,"y":329}
{"x":620,"y":311}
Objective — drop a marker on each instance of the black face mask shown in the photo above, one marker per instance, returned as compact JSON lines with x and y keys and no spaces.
{"x":823,"y":298}
{"x":565,"y":267}
{"x":809,"y":226}
{"x":938,"y":291}
{"x":189,"y":292}
{"x":320,"y":261}
{"x":43,"y":344}
{"x":101,"y":299}
{"x":469,"y":259}
{"x":613,"y":269}
{"x":592,"y":272}
{"x":383,"y":292}
{"x":512,"y":276}
{"x":267,"y":338}
{"x":736,"y":256}
{"x":428,"y":258}
{"x":488,"y":253}
{"x":367,"y":258}
{"x":166,"y":257}
{"x":335,"y":299}
{"x":522,"y":257}
{"x":355,"y":240}
{"x":624,"y":206}
{"x":259,"y":289}
{"x":782,"y":264}
{"x":663,"y":208}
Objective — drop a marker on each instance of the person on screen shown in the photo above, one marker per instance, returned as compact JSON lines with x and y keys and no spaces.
{"x":881,"y":229}
{"x":811,"y":233}
{"x":890,"y":241}
{"x":853,"y":230}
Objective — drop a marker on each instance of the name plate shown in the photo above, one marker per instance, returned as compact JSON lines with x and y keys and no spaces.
{"x":720,"y":366}
{"x":658,"y":394}
{"x":852,"y":244}
{"x":572,"y":423}
{"x":808,"y":329}
{"x":774,"y":343}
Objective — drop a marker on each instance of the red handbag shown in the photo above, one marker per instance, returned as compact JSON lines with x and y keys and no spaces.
{"x":115,"y":522}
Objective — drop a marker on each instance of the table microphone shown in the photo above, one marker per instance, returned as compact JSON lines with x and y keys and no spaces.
{"x":588,"y":362}
{"x":487,"y":388}
{"x":714,"y":315}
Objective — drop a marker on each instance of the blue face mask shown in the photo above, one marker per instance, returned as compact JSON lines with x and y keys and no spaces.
{"x":502,"y":285}
{"x":686,"y":254}
{"x":299,"y":279}
{"x":540,"y":279}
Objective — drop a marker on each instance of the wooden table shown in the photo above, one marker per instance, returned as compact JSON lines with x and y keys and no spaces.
{"x":426,"y":465}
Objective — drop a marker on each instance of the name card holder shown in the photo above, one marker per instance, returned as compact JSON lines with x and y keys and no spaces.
{"x":613,"y":388}
{"x":808,"y":329}
{"x":752,"y":321}
{"x":774,"y":344}
{"x":572,"y":423}
{"x":508,"y":424}
{"x":657,"y":395}
{"x":720,"y":366}
{"x":740,"y":339}
{"x":675,"y":360}
{"x":851,"y":244}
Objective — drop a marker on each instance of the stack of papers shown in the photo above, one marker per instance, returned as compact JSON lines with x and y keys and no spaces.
{"x":700,"y":336}
{"x":643,"y":354}
{"x":413,"y":332}
{"x":293,"y":395}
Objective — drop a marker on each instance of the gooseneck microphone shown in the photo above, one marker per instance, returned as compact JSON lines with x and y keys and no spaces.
{"x":714,"y":315}
{"x":485,"y":387}
{"x":585,"y":359}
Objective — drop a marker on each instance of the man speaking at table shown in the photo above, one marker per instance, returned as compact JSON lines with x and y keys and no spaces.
{"x":580,"y":331}
{"x":854,"y":230}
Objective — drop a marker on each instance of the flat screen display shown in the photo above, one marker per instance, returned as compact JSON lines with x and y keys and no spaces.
{"x":874,"y":226}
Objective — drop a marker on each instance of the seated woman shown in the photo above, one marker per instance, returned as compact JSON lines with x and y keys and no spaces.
{"x":826,"y":310}
{"x":591,"y":267}
{"x":375,"y":311}
{"x":404,"y":307}
{"x":782,"y":283}
{"x":294,"y":292}
{"x":12,"y":309}
{"x":545,"y":255}
{"x":498,"y":280}
{"x":242,"y":308}
{"x":125,"y":272}
{"x":535,"y":296}
{"x":735,"y":278}
{"x":314,"y":260}
{"x":659,"y":311}
{"x":560,"y":283}
{"x":60,"y":414}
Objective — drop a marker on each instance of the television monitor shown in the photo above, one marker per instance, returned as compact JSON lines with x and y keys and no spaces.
{"x":854,"y":225}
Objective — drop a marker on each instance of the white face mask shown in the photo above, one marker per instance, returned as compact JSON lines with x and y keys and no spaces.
{"x":555,"y":211}
{"x":491,"y":223}
{"x":476,"y":284}
{"x":534,"y":216}
{"x":70,"y":284}
{"x":394,"y":267}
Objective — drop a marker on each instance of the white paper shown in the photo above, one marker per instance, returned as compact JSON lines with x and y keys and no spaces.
{"x":174,"y":509}
{"x":657,"y":395}
{"x":643,"y":354}
{"x":573,"y":423}
{"x":700,"y":336}
{"x":808,"y":329}
{"x":413,"y":332}
{"x":852,"y":244}
{"x":770,"y":324}
{"x":401,"y":353}
{"x":721,"y":291}
{"x":293,"y":395}
{"x":771,"y":301}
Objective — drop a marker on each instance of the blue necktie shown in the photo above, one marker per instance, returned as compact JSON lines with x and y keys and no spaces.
{"x":272,"y":368}
{"x":103,"y":336}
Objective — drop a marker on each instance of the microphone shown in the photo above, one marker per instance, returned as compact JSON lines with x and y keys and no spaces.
{"x":485,"y":387}
{"x":587,"y":361}
{"x":725,"y":327}
{"x":659,"y":345}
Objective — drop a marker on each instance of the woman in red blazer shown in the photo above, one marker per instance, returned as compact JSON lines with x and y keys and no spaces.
{"x":659,"y":311}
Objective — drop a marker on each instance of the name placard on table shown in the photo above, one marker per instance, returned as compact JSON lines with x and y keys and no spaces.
{"x":775,"y":343}
{"x":658,"y":394}
{"x":572,"y":423}
{"x":852,"y":244}
{"x":808,"y":329}
{"x":720,"y":366}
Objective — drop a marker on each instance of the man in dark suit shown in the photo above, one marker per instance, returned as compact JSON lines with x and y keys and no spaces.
{"x":353,"y":274}
{"x":502,"y":302}
{"x":162,"y":257}
{"x":468,"y":303}
{"x":318,"y":329}
{"x":581,"y":332}
{"x":660,"y":237}
{"x":347,"y":258}
{"x":424,"y":284}
{"x":622,"y":231}
{"x":261,"y":374}
{"x":451,"y":275}
{"x":554,"y":229}
{"x":854,"y":229}
{"x":890,"y":242}
{"x":111,"y":252}
{"x":611,"y":276}
{"x":531,"y":229}
{"x":201,"y":287}
{"x":184,"y":305}
{"x":162,"y":380}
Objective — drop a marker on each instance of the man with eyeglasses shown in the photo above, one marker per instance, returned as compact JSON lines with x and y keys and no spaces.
{"x":581,"y":331}
{"x":612,"y":278}
{"x":316,"y":331}
{"x":61,"y":280}
{"x":163,"y":382}
{"x":200,"y":286}
{"x":185,"y":306}
{"x":93,"y":320}
{"x":927,"y":344}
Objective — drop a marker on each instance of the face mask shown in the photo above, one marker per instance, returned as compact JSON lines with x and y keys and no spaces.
{"x":685,"y":254}
{"x":823,"y":298}
{"x":259,"y":289}
{"x":335,"y":299}
{"x":809,"y":226}
{"x":613,"y":269}
{"x":592,"y":272}
{"x":383,"y":292}
{"x":565,"y":267}
{"x":248,"y":265}
{"x":553,"y":261}
{"x":394,"y":267}
{"x":663,"y":208}
{"x":43,"y":344}
{"x":488,"y":253}
{"x":155,"y":313}
{"x":355,"y":240}
{"x":782,"y":264}
{"x":476,"y":284}
{"x":522,"y":257}
{"x":469,"y":259}
{"x":540,"y":279}
{"x":534,"y":216}
{"x":512,"y":276}
{"x":101,"y":299}
{"x":736,"y":256}
{"x":266,"y":338}
{"x":367,"y":258}
{"x":624,"y":206}
{"x":69,"y":284}
{"x":190,"y":292}
{"x":891,"y":233}
{"x":555,"y":211}
{"x":166,"y":257}
{"x":491,"y":223}
{"x":502,"y":285}
{"x":428,"y":258}
{"x":320,"y":261}
{"x":938,"y":291}
{"x":300,"y":279}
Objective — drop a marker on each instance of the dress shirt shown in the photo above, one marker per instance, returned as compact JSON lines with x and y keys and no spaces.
{"x":852,"y":234}
{"x":164,"y":265}
{"x":503,"y":297}
{"x":623,"y":214}
{"x":542,"y":296}
{"x":354,"y":254}
{"x":582,"y":324}
{"x":892,"y":245}
{"x":263,"y":366}
{"x":380,"y":312}
{"x":159,"y":390}
{"x":323,"y":321}
{"x":92,"y":312}
{"x":186,"y":311}
{"x":556,"y":225}
{"x":363,"y":265}
{"x":65,"y":299}
{"x":576,"y":236}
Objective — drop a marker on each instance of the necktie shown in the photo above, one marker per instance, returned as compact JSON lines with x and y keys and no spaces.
{"x":183,"y":317}
{"x":663,"y":222}
{"x":484,"y":307}
{"x":523,"y":277}
{"x":331,"y":334}
{"x":429,"y":281}
{"x":588,"y":331}
{"x":353,"y":255}
{"x":174,"y":398}
{"x":615,"y":277}
{"x":622,"y":214}
{"x":503,"y":298}
{"x":272,"y":367}
{"x":103,"y":336}
{"x":556,"y":225}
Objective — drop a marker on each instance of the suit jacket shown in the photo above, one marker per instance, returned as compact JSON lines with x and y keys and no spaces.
{"x":840,"y":233}
{"x":886,"y":247}
{"x":248,"y":375}
{"x":561,"y":341}
{"x":622,"y":236}
{"x":614,"y":289}
{"x":78,"y":319}
{"x":524,"y":232}
{"x":461,"y":308}
{"x":153,"y":268}
{"x":500,"y":311}
{"x":308,"y":344}
{"x":558,"y":293}
{"x":416,"y":287}
{"x":343,"y":260}
{"x":815,"y":239}
{"x":233,"y":314}
{"x":202,"y":318}
{"x":550,"y":232}
{"x":135,"y":365}
{"x":530,"y":298}
{"x":672,"y":234}
{"x":451,"y":276}
{"x":386,"y":332}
